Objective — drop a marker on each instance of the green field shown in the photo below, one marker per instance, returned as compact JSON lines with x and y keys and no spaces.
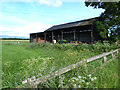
{"x":23,"y":60}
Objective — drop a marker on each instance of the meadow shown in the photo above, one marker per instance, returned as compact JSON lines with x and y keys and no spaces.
{"x":21,"y":60}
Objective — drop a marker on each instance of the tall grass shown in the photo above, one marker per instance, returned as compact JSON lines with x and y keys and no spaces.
{"x":23,"y":60}
{"x":104,"y":77}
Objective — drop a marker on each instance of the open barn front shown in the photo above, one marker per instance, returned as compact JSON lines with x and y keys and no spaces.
{"x":69,"y":35}
{"x":85,"y":37}
{"x":78,"y":34}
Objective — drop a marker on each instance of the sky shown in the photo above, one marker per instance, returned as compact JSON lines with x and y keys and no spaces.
{"x":23,"y":18}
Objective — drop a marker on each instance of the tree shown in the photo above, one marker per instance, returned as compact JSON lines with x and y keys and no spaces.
{"x":108,"y":24}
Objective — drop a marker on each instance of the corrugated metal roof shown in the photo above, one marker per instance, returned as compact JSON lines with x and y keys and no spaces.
{"x":73,"y":24}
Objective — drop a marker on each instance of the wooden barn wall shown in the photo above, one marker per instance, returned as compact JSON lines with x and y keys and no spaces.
{"x":32,"y":37}
{"x":36,"y":38}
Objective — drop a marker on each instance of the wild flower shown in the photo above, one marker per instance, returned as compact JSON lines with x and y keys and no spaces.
{"x":74,"y":78}
{"x":75,"y":85}
{"x":79,"y":86}
{"x":82,"y":81}
{"x":95,"y":78}
{"x":87,"y":83}
{"x":84,"y":77}
{"x":25,"y":81}
{"x":92,"y":79}
{"x":89,"y":75}
{"x":79,"y":76}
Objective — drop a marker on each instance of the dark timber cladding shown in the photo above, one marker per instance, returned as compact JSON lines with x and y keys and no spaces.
{"x":83,"y":31}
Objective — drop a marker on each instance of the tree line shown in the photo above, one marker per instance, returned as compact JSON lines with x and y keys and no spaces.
{"x":14,"y":39}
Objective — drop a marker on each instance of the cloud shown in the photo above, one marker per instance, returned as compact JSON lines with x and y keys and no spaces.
{"x":59,"y":0}
{"x":55,"y":3}
{"x":25,"y":30}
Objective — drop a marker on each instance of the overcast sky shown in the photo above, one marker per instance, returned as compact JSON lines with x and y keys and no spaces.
{"x":23,"y":18}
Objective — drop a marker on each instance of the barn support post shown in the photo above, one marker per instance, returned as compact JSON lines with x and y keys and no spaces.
{"x":113,"y":56}
{"x":31,"y":38}
{"x":74,"y":35}
{"x":36,"y":38}
{"x":45,"y":37}
{"x":52,"y":37}
{"x":92,"y":33}
{"x":62,"y":35}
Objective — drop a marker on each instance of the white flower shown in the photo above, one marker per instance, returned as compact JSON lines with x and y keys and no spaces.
{"x":79,"y":86}
{"x":77,"y":79}
{"x":95,"y":78}
{"x":80,"y":80}
{"x":84,"y":77}
{"x":25,"y":81}
{"x":87,"y":83}
{"x":92,"y":79}
{"x":73,"y":80}
{"x":29,"y":79}
{"x":83,"y":80}
{"x":75,"y":85}
{"x":79,"y":76}
{"x":89,"y":75}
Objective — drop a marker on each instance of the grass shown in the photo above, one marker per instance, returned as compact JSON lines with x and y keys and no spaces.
{"x":108,"y":75}
{"x":105,"y":77}
{"x":17,"y":53}
{"x":23,"y":60}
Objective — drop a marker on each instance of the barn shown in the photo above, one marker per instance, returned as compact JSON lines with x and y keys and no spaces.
{"x":78,"y":31}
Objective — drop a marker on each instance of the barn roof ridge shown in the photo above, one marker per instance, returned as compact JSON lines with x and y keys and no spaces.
{"x":77,"y":21}
{"x":71,"y":24}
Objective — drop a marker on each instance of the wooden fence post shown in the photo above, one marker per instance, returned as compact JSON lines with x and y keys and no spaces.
{"x":113,"y":56}
{"x":105,"y":59}
{"x":117,"y":52}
